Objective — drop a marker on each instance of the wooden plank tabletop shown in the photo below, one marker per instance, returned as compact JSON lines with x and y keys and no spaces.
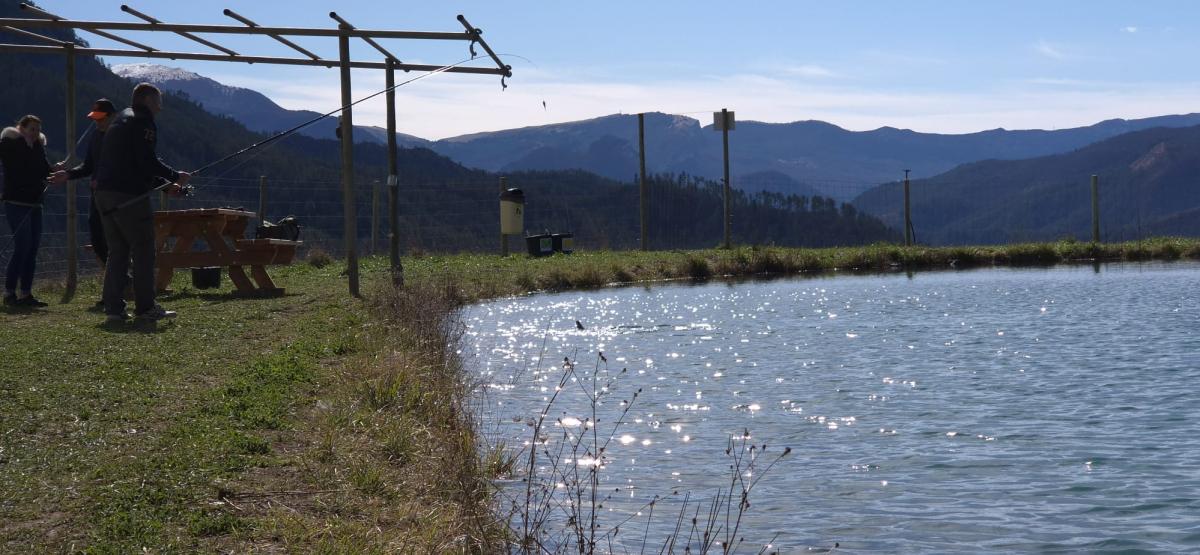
{"x":203,"y":213}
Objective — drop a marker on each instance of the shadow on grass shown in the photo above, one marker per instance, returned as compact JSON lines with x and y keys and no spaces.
{"x":20,"y":310}
{"x":135,"y":326}
{"x":223,"y":297}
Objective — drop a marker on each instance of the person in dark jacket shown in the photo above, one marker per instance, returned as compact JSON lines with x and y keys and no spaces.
{"x":128,"y":169}
{"x":103,"y":113}
{"x":23,"y":154}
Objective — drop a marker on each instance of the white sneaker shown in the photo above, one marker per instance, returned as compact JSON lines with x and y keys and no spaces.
{"x":155,"y":314}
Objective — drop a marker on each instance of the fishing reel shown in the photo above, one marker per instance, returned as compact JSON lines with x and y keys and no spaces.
{"x":183,"y":191}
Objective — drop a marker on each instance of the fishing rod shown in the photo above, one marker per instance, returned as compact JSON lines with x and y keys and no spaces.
{"x":283,"y":134}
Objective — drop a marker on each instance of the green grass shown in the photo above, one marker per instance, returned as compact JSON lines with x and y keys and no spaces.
{"x":115,"y":436}
{"x":480,"y":276}
{"x":316,"y":421}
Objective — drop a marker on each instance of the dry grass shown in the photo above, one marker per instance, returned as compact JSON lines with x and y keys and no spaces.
{"x":388,"y":455}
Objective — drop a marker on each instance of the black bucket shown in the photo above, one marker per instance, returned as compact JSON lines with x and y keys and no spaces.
{"x":563,"y":242}
{"x":539,"y":245}
{"x":206,"y":278}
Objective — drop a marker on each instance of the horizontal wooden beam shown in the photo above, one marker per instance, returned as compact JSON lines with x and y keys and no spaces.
{"x":230,"y":29}
{"x":36,"y":49}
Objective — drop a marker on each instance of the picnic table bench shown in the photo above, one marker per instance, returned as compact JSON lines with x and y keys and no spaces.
{"x":223,"y":232}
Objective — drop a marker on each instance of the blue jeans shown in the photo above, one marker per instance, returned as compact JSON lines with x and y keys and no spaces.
{"x":26,"y":225}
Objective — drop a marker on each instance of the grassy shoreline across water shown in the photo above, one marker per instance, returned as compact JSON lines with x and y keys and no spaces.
{"x":315,"y":421}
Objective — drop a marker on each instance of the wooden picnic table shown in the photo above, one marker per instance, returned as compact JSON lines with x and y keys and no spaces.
{"x":223,"y":233}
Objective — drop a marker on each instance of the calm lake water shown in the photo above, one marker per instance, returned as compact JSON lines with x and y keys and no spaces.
{"x":998,"y":410}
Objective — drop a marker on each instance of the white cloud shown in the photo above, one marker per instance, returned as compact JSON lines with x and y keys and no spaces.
{"x":809,"y":71}
{"x":1048,"y":50}
{"x":1131,"y":29}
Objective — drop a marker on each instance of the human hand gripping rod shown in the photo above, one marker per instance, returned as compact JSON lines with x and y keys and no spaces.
{"x":283,"y":134}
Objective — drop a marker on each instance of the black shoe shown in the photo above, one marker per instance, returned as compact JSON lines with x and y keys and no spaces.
{"x":98,"y":307}
{"x":31,"y":302}
{"x":155,"y":314}
{"x":10,"y":300}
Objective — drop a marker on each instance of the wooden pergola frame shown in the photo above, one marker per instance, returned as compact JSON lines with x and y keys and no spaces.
{"x":344,"y":32}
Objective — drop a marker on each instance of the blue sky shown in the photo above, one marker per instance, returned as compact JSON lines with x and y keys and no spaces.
{"x":937,"y":66}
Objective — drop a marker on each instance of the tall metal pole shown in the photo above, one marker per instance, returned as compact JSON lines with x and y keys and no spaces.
{"x":69,"y":143}
{"x":725,"y":143}
{"x":908,"y":239}
{"x":1095,"y":209}
{"x":642,"y":177}
{"x":350,"y":224}
{"x":393,"y":178}
{"x":503,"y":237}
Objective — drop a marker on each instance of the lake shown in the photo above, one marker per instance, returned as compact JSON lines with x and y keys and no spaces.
{"x":997,"y":410}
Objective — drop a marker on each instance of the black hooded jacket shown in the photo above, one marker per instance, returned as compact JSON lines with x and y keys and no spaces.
{"x":128,"y":162}
{"x":88,"y":167}
{"x":25,"y":167}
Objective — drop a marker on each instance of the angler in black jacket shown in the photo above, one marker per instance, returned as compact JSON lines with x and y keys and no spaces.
{"x":129,"y":167}
{"x":102,"y":114}
{"x":23,"y":154}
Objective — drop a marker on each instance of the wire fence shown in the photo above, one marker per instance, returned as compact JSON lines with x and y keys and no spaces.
{"x":463,"y":215}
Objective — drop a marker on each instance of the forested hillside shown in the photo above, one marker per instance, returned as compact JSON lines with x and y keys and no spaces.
{"x":443,"y":205}
{"x":1149,"y":184}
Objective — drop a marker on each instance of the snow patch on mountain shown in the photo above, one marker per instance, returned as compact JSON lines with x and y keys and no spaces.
{"x":154,"y":73}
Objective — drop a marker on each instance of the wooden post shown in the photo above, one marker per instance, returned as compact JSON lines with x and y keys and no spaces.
{"x":164,"y":200}
{"x":349,"y":215}
{"x":69,"y":143}
{"x":262,"y":199}
{"x":725,"y":144}
{"x":503,"y":237}
{"x":1095,"y":209}
{"x":642,"y":177}
{"x":374,"y":214}
{"x":908,"y":239}
{"x":393,"y":179}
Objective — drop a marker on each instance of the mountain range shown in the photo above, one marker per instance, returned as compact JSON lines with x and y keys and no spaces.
{"x":802,"y":157}
{"x":1148,"y":184}
{"x":987,"y":187}
{"x":251,"y":108}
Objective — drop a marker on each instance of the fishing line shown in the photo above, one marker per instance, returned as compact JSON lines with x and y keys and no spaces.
{"x":540,"y":92}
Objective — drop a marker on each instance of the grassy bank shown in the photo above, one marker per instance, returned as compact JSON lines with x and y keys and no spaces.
{"x":314,"y":421}
{"x":487,"y":276}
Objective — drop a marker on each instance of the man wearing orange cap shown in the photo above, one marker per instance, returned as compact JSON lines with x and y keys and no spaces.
{"x":103,"y":113}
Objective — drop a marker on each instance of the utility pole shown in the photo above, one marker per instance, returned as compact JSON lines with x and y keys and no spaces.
{"x":725,"y":120}
{"x":908,"y":238}
{"x":1095,"y":209}
{"x":642,"y":176}
{"x":503,"y":237}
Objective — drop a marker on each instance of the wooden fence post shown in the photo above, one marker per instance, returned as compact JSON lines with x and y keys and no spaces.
{"x":262,"y":199}
{"x":374,"y":214}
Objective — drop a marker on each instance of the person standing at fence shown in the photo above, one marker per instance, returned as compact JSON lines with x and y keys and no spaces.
{"x":129,"y":168}
{"x":103,"y":112}
{"x":23,"y":155}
